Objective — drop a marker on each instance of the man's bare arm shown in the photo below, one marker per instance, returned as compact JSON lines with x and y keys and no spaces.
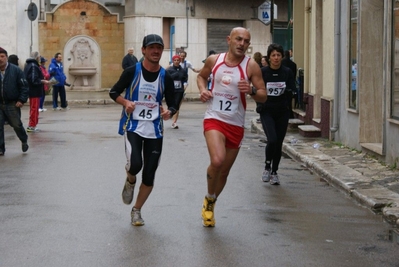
{"x":202,"y":78}
{"x":256,"y":79}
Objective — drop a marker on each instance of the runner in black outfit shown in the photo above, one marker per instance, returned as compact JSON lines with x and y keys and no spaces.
{"x":274,"y":113}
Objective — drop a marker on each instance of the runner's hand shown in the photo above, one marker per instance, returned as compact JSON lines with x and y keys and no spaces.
{"x":129,"y":106}
{"x":244,"y":86}
{"x":165,"y":113}
{"x":205,"y":95}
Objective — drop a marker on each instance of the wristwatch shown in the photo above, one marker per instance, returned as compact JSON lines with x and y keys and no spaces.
{"x":253,"y":91}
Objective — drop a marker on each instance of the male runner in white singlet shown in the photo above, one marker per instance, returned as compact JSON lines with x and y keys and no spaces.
{"x":233,"y":73}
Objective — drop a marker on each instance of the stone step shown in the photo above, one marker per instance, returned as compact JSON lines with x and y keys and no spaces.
{"x":309,"y":131}
{"x":293,"y":124}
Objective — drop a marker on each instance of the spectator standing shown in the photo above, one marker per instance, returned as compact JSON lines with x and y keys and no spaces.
{"x":264,"y":61}
{"x":287,"y":61}
{"x":14,"y":94}
{"x":56,"y":70}
{"x":258,"y":58}
{"x":185,"y":64}
{"x":211,"y":52}
{"x":36,"y":80}
{"x":129,"y":59}
{"x":46,"y":76}
{"x":275,"y":112}
{"x":179,"y":76}
{"x":233,"y":73}
{"x":141,"y":122}
{"x":13,"y":59}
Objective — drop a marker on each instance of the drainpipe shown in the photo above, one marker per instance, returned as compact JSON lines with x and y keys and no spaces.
{"x":42,"y":10}
{"x":337,"y":56}
{"x":172,"y":32}
{"x":187,"y":8}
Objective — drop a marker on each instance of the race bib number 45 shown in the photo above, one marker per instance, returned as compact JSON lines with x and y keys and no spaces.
{"x":275,"y":88}
{"x":146,"y":111}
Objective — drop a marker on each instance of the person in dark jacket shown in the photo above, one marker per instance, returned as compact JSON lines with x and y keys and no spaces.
{"x":36,"y":81}
{"x":179,"y":76}
{"x":275,"y":112}
{"x":13,"y":96}
{"x":56,"y":70}
{"x":13,"y":59}
{"x":46,"y":76}
{"x":130,"y":59}
{"x":287,"y":61}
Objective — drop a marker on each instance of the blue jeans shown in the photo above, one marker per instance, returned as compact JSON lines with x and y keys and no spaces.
{"x":59,"y":90}
{"x":13,"y":116}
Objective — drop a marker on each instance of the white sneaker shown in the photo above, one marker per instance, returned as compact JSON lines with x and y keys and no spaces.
{"x":266,"y":175}
{"x":274,"y":179}
{"x":127,"y":192}
{"x":175,"y":126}
{"x":32,"y":129}
{"x":44,"y":109}
{"x":136,"y":217}
{"x":40,"y":110}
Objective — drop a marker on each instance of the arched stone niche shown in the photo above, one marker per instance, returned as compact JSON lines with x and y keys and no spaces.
{"x":82,"y":63}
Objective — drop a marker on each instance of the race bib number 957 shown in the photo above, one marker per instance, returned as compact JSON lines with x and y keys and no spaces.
{"x":275,"y":88}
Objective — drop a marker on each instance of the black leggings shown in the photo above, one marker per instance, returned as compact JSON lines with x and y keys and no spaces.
{"x":152,"y":153}
{"x":274,"y":123}
{"x":178,"y":98}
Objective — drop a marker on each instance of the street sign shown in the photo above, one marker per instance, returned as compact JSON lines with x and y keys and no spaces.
{"x":32,"y":11}
{"x":264,"y":12}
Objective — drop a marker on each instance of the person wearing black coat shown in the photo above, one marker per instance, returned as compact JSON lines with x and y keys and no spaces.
{"x":179,"y":76}
{"x":13,"y":96}
{"x":129,"y":59}
{"x":36,"y":82}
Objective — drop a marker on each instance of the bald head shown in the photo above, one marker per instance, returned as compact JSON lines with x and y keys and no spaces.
{"x":240,"y":31}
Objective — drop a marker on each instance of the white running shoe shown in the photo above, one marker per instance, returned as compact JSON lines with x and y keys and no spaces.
{"x":127,"y":192}
{"x":274,"y":179}
{"x":136,"y":217}
{"x":266,"y":175}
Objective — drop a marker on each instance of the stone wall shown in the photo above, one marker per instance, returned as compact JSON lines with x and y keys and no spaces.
{"x":85,"y":18}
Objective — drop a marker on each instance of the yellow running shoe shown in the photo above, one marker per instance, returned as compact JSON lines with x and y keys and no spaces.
{"x":208,"y":219}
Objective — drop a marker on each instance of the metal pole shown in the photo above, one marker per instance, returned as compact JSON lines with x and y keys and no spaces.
{"x":31,"y":35}
{"x":272,"y":18}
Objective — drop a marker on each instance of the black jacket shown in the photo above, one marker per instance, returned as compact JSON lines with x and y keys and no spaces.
{"x":178,"y":74}
{"x":290,"y":64}
{"x":34,"y":76}
{"x":13,"y":87}
{"x":128,"y":61}
{"x":274,"y":100}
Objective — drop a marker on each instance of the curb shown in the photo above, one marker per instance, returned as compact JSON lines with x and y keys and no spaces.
{"x":377,"y":198}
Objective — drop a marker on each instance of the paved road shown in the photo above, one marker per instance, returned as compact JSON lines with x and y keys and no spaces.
{"x":60,"y":204}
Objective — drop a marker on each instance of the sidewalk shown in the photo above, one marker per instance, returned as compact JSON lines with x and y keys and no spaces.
{"x":356,"y":174}
{"x":95,"y":98}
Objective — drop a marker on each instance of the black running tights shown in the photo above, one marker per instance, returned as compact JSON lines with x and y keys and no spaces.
{"x":137,"y":148}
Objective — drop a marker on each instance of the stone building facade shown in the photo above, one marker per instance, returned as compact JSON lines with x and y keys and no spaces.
{"x":349,"y":53}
